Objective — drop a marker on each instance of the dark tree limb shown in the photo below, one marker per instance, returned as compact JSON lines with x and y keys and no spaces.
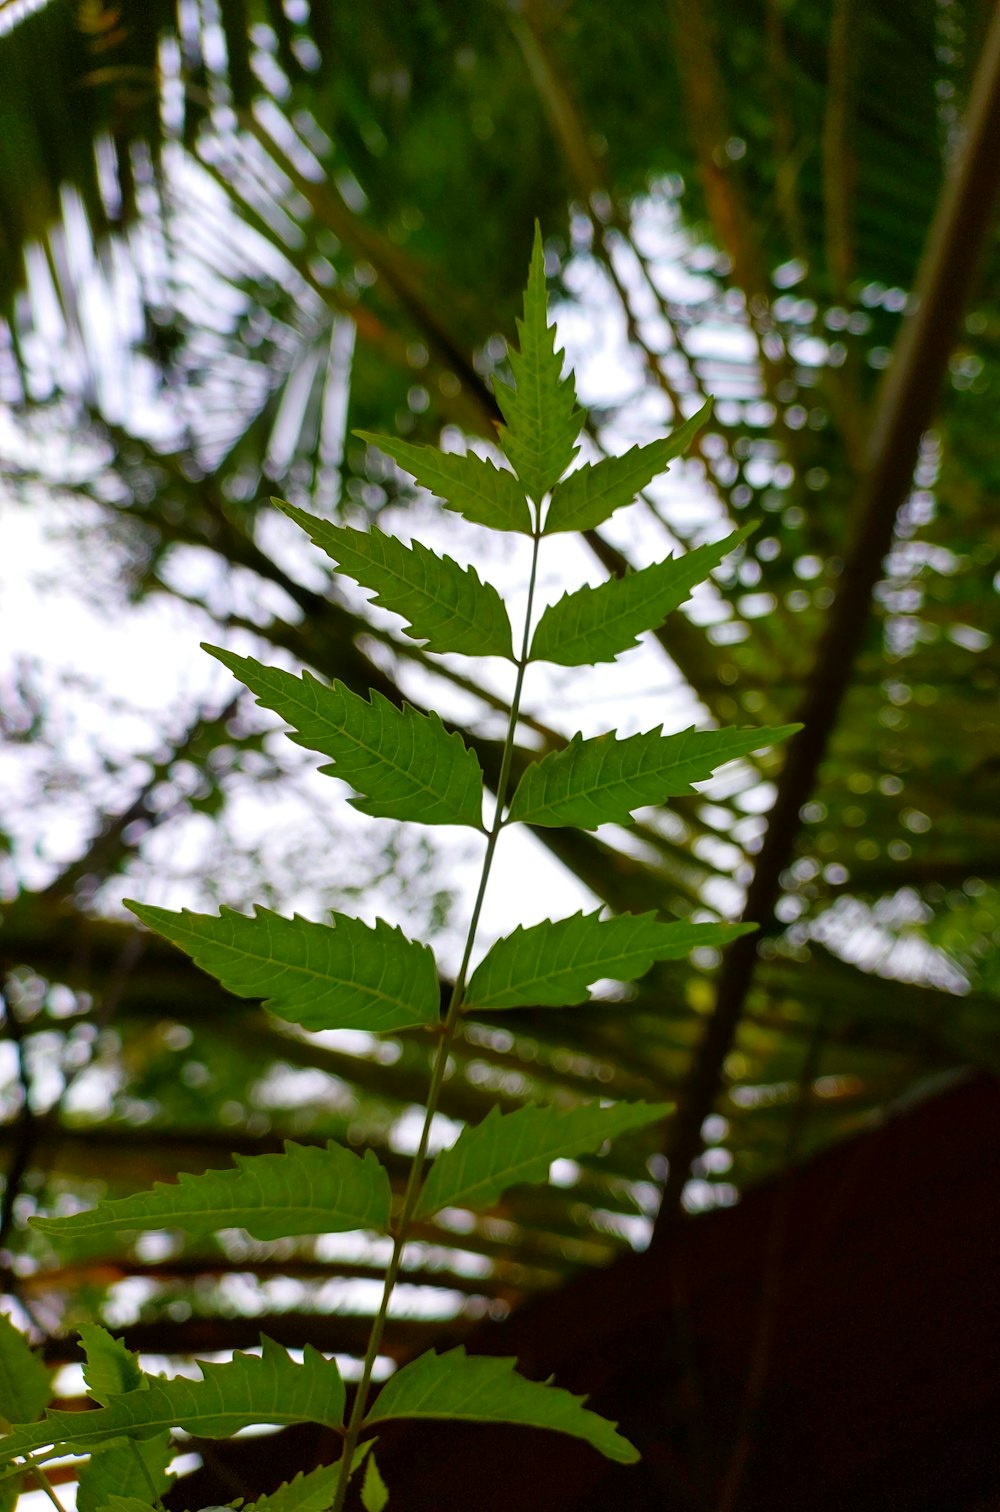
{"x":906,"y":405}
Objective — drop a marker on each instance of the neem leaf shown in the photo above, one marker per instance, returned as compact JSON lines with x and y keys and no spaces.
{"x":485,"y":1390}
{"x":596,"y":624}
{"x":110,"y":1368}
{"x":374,"y":1491}
{"x":310,"y":1491}
{"x":113,"y":1476}
{"x":237,"y":1394}
{"x":603,"y":781}
{"x":122,"y":1502}
{"x":118,"y":1474}
{"x":554,"y":964}
{"x":588,"y":496}
{"x":472,"y":486}
{"x":446,"y":605}
{"x":343,"y":975}
{"x":506,"y":1150}
{"x":404,"y":764}
{"x":25,"y":1388}
{"x":543,"y":422}
{"x":307,"y":1190}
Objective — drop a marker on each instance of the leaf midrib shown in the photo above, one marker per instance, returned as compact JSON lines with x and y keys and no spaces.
{"x":329,"y":977}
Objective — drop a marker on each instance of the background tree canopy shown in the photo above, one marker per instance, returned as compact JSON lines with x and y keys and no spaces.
{"x":233,"y":232}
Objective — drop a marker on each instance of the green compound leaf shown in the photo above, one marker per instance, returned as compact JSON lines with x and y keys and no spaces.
{"x":120,"y":1472}
{"x":596,"y":624}
{"x":25,"y":1388}
{"x":471,"y":485}
{"x":543,"y":422}
{"x":588,"y":496}
{"x":506,"y":1150}
{"x":481,"y":1390}
{"x":374,"y":1491}
{"x":344,"y":975}
{"x":554,"y":964}
{"x":307,"y":1190}
{"x":446,"y":605}
{"x":603,"y":781}
{"x":237,"y":1394}
{"x":404,"y":764}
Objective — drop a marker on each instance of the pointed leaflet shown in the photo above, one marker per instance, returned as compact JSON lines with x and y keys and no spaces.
{"x":237,"y":1394}
{"x":512,"y":1149}
{"x":344,"y":975}
{"x":596,"y":624}
{"x":126,"y":1503}
{"x":25,"y":1388}
{"x":307,"y":1190}
{"x":374,"y":1491}
{"x":588,"y":496}
{"x":472,"y":486}
{"x":115,"y":1472}
{"x":603,"y":781}
{"x":447,"y":606}
{"x":118,"y":1472}
{"x":110,"y":1368}
{"x":481,"y":1390}
{"x":311,"y":1490}
{"x":543,"y":422}
{"x":553,"y":965}
{"x":404,"y":764}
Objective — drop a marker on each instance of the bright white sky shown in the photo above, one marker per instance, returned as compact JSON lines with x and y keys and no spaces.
{"x":129,"y":664}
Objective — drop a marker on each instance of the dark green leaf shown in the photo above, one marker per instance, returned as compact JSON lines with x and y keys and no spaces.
{"x":404,"y":764}
{"x":237,"y":1394}
{"x":446,"y":605}
{"x":481,"y":1390}
{"x":473,"y":486}
{"x":344,"y":975}
{"x":310,"y":1491}
{"x":121,"y":1502}
{"x":121,"y":1474}
{"x":110,"y":1368}
{"x":596,"y":624}
{"x":543,"y":422}
{"x":603,"y":781}
{"x":553,"y":964}
{"x":25,"y":1389}
{"x":307,"y":1190}
{"x":588,"y":496}
{"x":509,"y":1150}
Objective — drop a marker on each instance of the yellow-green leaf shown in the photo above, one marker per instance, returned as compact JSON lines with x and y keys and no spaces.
{"x":342,"y":975}
{"x":512,"y":1149}
{"x":307,"y":1190}
{"x":477,"y":1389}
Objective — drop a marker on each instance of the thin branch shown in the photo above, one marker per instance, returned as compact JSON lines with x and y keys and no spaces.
{"x":906,"y":406}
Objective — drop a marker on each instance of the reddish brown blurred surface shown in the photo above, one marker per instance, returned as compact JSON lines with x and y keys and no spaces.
{"x":878,"y":1381}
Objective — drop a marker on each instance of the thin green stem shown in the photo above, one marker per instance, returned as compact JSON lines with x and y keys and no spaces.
{"x":450,"y":1024}
{"x":154,"y":1495}
{"x":47,"y":1487}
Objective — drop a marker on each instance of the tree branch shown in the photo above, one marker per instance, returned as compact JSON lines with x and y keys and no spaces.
{"x":905,"y":408}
